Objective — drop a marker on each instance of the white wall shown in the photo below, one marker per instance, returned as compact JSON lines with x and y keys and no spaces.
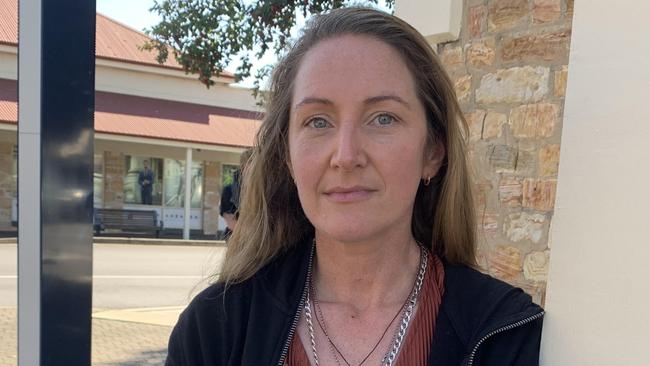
{"x":598,"y":295}
{"x":150,"y":81}
{"x":439,"y":21}
{"x":127,"y":79}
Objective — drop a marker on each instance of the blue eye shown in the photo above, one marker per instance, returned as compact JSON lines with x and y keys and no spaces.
{"x":384,"y":119}
{"x":318,"y":122}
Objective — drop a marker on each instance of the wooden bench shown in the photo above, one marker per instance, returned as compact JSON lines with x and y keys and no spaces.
{"x":127,"y":220}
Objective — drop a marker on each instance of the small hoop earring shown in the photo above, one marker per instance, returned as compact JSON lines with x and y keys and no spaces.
{"x":427,"y":180}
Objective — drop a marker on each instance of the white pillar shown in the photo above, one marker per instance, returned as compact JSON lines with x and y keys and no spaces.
{"x":188,"y":192}
{"x":597,"y":296}
{"x":29,"y":184}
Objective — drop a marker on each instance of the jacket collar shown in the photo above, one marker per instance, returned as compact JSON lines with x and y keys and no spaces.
{"x":284,"y":278}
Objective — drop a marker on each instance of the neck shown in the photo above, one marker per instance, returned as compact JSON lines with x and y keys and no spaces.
{"x":368,"y":274}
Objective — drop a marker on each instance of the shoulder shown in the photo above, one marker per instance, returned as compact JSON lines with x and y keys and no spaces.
{"x":206,"y":320}
{"x":215,"y":323}
{"x":479,"y":305}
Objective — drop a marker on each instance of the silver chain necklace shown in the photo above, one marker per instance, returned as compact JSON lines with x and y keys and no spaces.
{"x":398,"y":339}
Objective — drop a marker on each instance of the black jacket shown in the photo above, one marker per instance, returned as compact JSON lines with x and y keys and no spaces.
{"x":482,"y":321}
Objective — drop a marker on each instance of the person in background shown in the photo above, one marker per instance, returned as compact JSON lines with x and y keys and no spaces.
{"x":145,"y":179}
{"x":229,"y":206}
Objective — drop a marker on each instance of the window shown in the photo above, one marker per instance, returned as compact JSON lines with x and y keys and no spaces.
{"x":133,"y":165}
{"x":227,"y":172}
{"x":174,"y":183}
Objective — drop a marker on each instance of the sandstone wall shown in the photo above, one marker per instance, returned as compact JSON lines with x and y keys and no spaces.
{"x":211,"y":196}
{"x":510,"y":69}
{"x":7,"y":184}
{"x":113,"y":179}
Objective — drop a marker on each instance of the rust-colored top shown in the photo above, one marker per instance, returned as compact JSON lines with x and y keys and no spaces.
{"x":416,"y":347}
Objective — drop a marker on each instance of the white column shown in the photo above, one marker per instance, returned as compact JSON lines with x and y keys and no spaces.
{"x":29,"y":183}
{"x":188,"y":192}
{"x":598,"y":290}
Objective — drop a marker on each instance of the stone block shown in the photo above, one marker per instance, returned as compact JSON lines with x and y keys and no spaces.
{"x":549,"y":159}
{"x":559,"y":82}
{"x":506,"y":14}
{"x":514,"y":85}
{"x":463,"y":87}
{"x":481,"y":53}
{"x":536,"y":47}
{"x":533,"y":120}
{"x":211,"y":199}
{"x":525,"y":226}
{"x":482,"y":189}
{"x":477,"y":20}
{"x":7,"y":149}
{"x":502,"y":158}
{"x":539,"y":194}
{"x":510,"y":192}
{"x":452,"y":56}
{"x":505,"y":262}
{"x":569,"y":9}
{"x":489,"y":225}
{"x":545,"y":11}
{"x":493,"y":124}
{"x":536,"y":266}
{"x":475,"y":123}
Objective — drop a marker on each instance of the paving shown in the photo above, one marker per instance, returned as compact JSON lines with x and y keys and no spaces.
{"x":126,"y":337}
{"x":128,"y":328}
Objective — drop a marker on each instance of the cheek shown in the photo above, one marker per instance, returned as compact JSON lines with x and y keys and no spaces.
{"x":305,"y":164}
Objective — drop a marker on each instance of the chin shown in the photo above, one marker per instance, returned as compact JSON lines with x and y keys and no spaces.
{"x":350,"y":233}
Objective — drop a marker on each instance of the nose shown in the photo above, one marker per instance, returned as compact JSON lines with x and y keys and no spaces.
{"x":349,"y":152}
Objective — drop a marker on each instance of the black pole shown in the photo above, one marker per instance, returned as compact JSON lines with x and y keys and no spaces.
{"x":65,"y":187}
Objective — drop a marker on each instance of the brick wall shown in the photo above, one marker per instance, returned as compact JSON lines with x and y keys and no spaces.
{"x":510,"y":69}
{"x":113,"y":179}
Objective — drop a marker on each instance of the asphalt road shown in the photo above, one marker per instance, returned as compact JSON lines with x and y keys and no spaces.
{"x":132,"y":276}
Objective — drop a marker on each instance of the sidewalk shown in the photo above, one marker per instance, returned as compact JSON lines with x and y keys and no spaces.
{"x":119,"y":337}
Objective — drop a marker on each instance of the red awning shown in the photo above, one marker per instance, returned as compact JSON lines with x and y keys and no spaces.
{"x":121,"y":114}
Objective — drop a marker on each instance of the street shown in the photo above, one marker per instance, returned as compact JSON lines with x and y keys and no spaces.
{"x":138,"y":292}
{"x":132,"y":276}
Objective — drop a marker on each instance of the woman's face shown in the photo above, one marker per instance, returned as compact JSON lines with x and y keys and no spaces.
{"x":357,"y":139}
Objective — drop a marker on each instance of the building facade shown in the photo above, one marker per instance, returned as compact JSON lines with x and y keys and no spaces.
{"x":144,"y":111}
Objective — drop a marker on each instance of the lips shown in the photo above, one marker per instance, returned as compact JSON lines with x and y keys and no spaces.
{"x":349,"y":194}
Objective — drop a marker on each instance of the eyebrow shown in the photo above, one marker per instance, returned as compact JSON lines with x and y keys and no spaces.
{"x":311,"y":100}
{"x":371,"y":100}
{"x":382,"y":98}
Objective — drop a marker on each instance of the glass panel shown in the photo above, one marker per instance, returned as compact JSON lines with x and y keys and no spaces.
{"x":227,"y":172}
{"x":133,"y":166}
{"x":174,"y":183}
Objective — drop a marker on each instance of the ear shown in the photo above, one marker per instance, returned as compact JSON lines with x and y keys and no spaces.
{"x":433,"y":160}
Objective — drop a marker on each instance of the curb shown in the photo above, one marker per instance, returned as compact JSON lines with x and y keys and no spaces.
{"x":144,"y":241}
{"x":155,"y":241}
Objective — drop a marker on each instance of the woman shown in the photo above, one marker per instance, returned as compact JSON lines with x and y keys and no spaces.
{"x":355,"y":242}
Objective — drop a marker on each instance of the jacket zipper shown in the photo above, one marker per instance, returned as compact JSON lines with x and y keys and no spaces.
{"x":502,"y":329}
{"x":296,"y":318}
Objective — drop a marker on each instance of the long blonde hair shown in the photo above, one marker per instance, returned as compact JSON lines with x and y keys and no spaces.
{"x":271,"y":218}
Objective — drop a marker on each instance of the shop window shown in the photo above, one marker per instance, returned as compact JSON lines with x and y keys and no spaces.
{"x":174,"y":183}
{"x":133,"y":165}
{"x":227,"y":173}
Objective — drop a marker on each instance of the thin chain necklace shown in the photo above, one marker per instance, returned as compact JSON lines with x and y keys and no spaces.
{"x":321,"y":323}
{"x":398,"y":339}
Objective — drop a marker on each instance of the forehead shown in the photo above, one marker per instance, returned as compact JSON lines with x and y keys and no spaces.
{"x":352,"y":68}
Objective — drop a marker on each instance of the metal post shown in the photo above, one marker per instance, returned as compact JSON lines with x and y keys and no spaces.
{"x":55,"y":188}
{"x":188,"y":193}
